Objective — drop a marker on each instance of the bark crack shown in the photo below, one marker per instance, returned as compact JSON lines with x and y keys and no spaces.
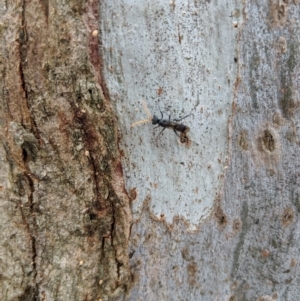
{"x":30,"y":223}
{"x":22,"y":49}
{"x":118,"y":263}
{"x":29,"y":124}
{"x":27,"y":120}
{"x":106,"y":199}
{"x":31,"y":206}
{"x":91,"y":142}
{"x":31,"y":227}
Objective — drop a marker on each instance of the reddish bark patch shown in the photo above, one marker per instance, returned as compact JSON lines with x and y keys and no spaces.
{"x":45,"y":5}
{"x":287,"y":217}
{"x":192,"y":270}
{"x":243,"y":140}
{"x":90,"y":134}
{"x":268,"y":141}
{"x":64,"y":127}
{"x":237,"y":225}
{"x":220,"y":217}
{"x":133,"y":194}
{"x":265,"y":253}
{"x":159,"y":91}
{"x":95,"y":56}
{"x":119,"y":169}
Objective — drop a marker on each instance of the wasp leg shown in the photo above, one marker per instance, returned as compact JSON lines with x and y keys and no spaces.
{"x":176,"y":133}
{"x":160,"y":133}
{"x":182,"y":118}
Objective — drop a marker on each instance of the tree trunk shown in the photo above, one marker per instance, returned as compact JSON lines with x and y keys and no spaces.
{"x":213,"y":219}
{"x":218,"y":220}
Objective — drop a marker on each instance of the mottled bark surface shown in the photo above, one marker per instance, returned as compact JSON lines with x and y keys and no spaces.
{"x":65,"y":218}
{"x":248,"y":248}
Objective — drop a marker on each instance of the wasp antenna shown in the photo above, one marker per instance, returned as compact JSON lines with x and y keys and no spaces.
{"x":146,"y":109}
{"x":140,"y":122}
{"x":160,"y":111}
{"x":194,"y":142}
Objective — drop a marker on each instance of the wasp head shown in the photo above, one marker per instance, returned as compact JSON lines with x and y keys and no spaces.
{"x":155,"y":119}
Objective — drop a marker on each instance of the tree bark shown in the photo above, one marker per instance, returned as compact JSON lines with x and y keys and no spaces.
{"x":65,"y":215}
{"x":217,"y":221}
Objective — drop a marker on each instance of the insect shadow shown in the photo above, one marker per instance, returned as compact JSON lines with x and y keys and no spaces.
{"x":167,"y":124}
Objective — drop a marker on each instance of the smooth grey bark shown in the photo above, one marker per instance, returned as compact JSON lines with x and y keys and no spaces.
{"x":247,"y":247}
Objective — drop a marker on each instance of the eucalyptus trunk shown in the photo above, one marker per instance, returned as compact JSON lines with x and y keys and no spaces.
{"x":96,"y":207}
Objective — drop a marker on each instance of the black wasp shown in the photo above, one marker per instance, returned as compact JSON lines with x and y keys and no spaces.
{"x":167,"y":124}
{"x":175,"y":125}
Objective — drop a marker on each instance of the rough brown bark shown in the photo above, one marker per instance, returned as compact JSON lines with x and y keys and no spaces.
{"x":65,"y":217}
